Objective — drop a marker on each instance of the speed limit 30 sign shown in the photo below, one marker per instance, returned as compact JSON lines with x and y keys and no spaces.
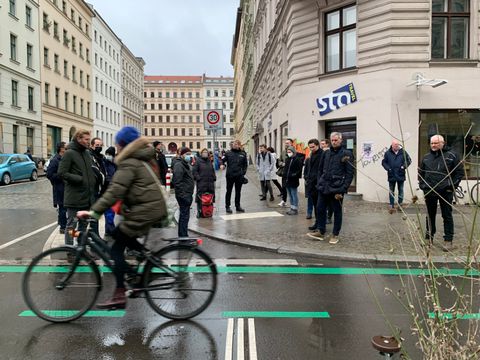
{"x":213,"y":119}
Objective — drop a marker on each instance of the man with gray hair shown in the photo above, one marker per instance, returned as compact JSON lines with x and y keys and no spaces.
{"x":439,"y":175}
{"x":335,"y":174}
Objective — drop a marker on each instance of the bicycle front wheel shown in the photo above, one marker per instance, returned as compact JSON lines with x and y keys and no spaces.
{"x":475,"y":194}
{"x":184,"y":286}
{"x":61,"y":285}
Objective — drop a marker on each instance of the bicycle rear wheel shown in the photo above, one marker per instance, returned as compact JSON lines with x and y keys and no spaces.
{"x":475,"y":194}
{"x":185,"y":287}
{"x":57,"y":290}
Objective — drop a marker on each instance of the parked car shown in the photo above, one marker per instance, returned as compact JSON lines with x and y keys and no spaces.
{"x":15,"y":167}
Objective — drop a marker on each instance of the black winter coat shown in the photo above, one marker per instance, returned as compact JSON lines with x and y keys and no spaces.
{"x":310,"y":172}
{"x":183,"y":180}
{"x":335,"y":172}
{"x":162,"y":166}
{"x":77,"y":173}
{"x":204,"y":176}
{"x":434,"y":170}
{"x":56,"y":180}
{"x":237,"y":163}
{"x":293,"y":170}
{"x":396,"y":164}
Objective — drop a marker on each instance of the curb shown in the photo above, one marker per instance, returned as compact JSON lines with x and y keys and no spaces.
{"x":324,"y":254}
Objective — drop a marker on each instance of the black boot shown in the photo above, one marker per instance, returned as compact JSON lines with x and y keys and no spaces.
{"x":118,"y":301}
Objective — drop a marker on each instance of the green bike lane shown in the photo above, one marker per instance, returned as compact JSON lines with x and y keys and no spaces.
{"x":260,"y":312}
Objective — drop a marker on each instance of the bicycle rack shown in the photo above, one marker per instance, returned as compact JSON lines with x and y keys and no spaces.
{"x":387,"y":346}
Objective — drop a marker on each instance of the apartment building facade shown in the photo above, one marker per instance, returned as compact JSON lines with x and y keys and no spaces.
{"x":65,"y":47}
{"x":107,"y":78}
{"x":132,"y":88}
{"x":20,"y":105}
{"x":371,"y":70}
{"x":173,"y":111}
{"x":218,"y":94}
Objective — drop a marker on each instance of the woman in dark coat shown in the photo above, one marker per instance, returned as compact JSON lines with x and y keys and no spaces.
{"x":291,"y":176}
{"x":204,"y":175}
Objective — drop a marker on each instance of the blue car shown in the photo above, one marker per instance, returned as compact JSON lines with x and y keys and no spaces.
{"x":15,"y":167}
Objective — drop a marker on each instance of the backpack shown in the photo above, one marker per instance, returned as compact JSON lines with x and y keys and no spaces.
{"x":206,"y":201}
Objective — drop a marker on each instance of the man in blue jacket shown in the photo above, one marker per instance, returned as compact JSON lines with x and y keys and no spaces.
{"x":395,"y":162}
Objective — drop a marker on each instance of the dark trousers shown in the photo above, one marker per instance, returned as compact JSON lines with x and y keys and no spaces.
{"x":62,"y":216}
{"x":445,"y":198}
{"x":284,"y":189}
{"x":184,"y":206}
{"x":277,"y":184}
{"x":391,"y":194}
{"x":121,"y":242}
{"x":324,"y":200}
{"x":266,"y":185}
{"x":238,"y":182}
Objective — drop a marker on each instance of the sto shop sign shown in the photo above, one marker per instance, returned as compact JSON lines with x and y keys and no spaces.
{"x":336,"y":99}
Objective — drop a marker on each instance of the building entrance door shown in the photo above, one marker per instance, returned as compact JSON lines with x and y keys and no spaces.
{"x":348,"y":129}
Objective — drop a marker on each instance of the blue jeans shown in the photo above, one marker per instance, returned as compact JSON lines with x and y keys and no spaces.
{"x":184,"y":206}
{"x":391,"y":194}
{"x":324,"y":200}
{"x":293,"y":195}
{"x":62,"y":216}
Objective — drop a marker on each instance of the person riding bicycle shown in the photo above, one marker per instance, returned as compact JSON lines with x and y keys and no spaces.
{"x":143,"y":204}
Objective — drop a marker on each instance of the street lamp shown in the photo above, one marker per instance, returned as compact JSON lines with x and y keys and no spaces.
{"x":420,"y":80}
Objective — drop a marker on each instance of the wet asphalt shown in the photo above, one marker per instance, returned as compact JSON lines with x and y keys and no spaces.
{"x":357,"y":305}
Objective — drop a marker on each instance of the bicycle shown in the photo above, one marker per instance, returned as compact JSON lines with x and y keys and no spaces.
{"x":172,"y":279}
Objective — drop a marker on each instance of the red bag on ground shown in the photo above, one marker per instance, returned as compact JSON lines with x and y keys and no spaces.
{"x":206,"y":200}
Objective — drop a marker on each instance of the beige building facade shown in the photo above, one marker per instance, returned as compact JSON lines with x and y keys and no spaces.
{"x":372,"y":70}
{"x":20,"y":106}
{"x":132,"y":89}
{"x":65,"y":48}
{"x":173,"y":111}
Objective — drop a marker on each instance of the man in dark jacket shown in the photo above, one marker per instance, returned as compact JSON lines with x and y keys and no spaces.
{"x":311,"y":174}
{"x":184,"y":186}
{"x":161,"y":161}
{"x":395,"y":162}
{"x":96,"y":146}
{"x":335,"y":174}
{"x":204,"y":175}
{"x":439,"y":175}
{"x":58,"y":186}
{"x":76,"y":171}
{"x":237,"y":163}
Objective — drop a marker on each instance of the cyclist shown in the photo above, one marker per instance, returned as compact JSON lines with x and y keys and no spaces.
{"x":142,"y":203}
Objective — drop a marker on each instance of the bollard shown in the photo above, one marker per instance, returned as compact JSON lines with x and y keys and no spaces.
{"x":167,"y":181}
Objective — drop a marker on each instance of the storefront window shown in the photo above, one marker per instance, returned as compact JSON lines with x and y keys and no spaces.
{"x":461,"y":130}
{"x":53,"y":138}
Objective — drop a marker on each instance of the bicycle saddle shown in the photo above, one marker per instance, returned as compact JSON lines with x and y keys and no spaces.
{"x":386,"y":344}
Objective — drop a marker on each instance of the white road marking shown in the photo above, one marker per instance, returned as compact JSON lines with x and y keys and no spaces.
{"x":252,"y":344}
{"x":258,"y":262}
{"x":14,"y":241}
{"x":229,"y":344}
{"x":256,"y":215}
{"x":240,"y":340}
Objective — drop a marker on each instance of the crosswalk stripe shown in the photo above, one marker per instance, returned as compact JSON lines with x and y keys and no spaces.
{"x":252,"y":343}
{"x":256,"y":215}
{"x":229,"y":343}
{"x":240,"y":340}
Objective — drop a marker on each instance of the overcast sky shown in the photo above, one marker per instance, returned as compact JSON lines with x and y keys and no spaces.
{"x":175,"y":37}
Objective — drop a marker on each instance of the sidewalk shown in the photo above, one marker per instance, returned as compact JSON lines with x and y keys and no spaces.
{"x":368,"y":232}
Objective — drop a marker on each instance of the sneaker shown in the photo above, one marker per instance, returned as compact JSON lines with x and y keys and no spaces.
{"x":282,"y":204}
{"x":263,"y":198}
{"x":229,"y":210}
{"x":334,"y":239}
{"x":292,"y":212}
{"x":447,"y":246}
{"x":317,"y":235}
{"x":391,"y":210}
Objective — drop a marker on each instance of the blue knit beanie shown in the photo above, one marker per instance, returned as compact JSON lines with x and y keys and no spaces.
{"x":126,"y":135}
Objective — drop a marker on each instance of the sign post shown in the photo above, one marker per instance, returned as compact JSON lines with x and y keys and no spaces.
{"x":213,"y":121}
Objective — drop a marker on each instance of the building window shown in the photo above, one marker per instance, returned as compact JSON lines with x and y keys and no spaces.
{"x":197,"y":106}
{"x":64,"y":7}
{"x":341,"y":39}
{"x":175,"y":132}
{"x":46,"y":24}
{"x":29,"y":56}
{"x":14,"y":93}
{"x":81,"y":107}
{"x":197,"y":95}
{"x":88,"y":82}
{"x":30,"y":98}
{"x":45,"y":57}
{"x":13,"y":47}
{"x":13,"y":8}
{"x":47,"y":93}
{"x":74,"y":104}
{"x":65,"y":68}
{"x":215,"y":93}
{"x":74,"y":73}
{"x":57,"y":97}
{"x":55,"y":30}
{"x":15,"y":138}
{"x":168,"y":131}
{"x":55,"y":60}
{"x":66,"y":101}
{"x":208,"y":93}
{"x":231,"y":93}
{"x":30,"y":136}
{"x":460,"y":128}
{"x":81,"y":78}
{"x":450,"y":29}
{"x":224,"y":93}
{"x":28,"y":16}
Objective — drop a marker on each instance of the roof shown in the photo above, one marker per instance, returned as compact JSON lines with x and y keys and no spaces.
{"x":173,"y":79}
